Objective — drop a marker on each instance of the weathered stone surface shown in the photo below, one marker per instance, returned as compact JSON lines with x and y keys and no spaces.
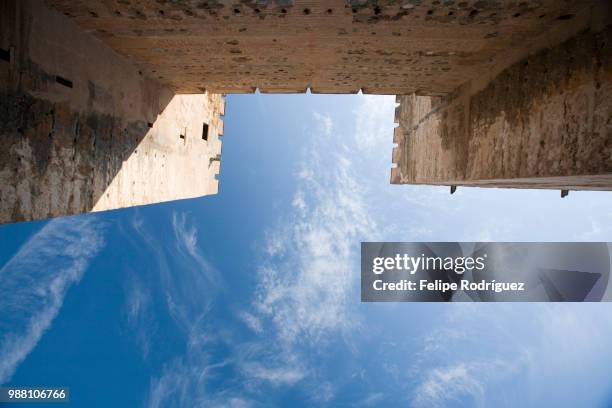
{"x":544,"y":122}
{"x":501,"y":93}
{"x":331,"y":46}
{"x":83,"y":130}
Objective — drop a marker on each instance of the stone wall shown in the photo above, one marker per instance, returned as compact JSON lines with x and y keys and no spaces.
{"x":83,"y":129}
{"x":544,"y":122}
{"x":330,"y":46}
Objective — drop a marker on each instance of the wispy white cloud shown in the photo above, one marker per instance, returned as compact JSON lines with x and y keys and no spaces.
{"x":172,"y":385}
{"x":139,"y":313}
{"x":309,"y":278}
{"x":138,"y":299}
{"x":281,"y":375}
{"x":372,"y":399}
{"x":444,"y":385}
{"x":187,"y":244}
{"x":233,"y":402}
{"x":35,"y":281}
{"x":324,"y":392}
{"x":532,"y":347}
{"x":183,"y":383}
{"x":185,"y":380}
{"x":325,"y":123}
{"x":189,"y":283}
{"x":311,"y":271}
{"x":374,"y":116}
{"x":252,"y":321}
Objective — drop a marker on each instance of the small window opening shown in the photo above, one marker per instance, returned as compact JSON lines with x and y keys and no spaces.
{"x":565,"y":17}
{"x":5,"y":55}
{"x":63,"y":81}
{"x":205,"y":131}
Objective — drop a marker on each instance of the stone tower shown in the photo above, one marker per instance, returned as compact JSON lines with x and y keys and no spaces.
{"x":110,"y":104}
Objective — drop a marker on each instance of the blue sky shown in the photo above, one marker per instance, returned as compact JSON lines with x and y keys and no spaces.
{"x":251,"y":298}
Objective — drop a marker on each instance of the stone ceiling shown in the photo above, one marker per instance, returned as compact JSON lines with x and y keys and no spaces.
{"x":335,"y":46}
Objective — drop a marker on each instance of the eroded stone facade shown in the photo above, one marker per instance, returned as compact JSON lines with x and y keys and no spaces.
{"x":330,"y":46}
{"x":544,"y":122}
{"x":83,"y":129}
{"x":110,"y":104}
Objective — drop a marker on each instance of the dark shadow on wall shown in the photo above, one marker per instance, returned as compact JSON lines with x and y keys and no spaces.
{"x":56,"y":160}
